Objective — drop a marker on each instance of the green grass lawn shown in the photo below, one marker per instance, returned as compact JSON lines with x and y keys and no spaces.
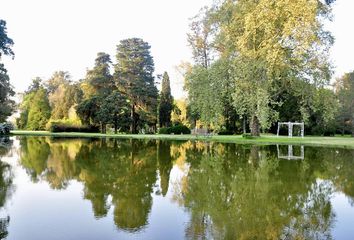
{"x":338,"y":141}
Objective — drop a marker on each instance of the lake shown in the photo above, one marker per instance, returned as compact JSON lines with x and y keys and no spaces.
{"x":72,"y":188}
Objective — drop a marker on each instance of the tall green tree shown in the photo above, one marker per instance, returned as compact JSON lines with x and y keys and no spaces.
{"x":200,"y":37}
{"x":115,"y":110}
{"x":88,"y":109}
{"x":134,"y":78}
{"x":57,"y":87}
{"x":210,"y":94}
{"x":6,"y":90}
{"x":39,"y":111}
{"x":166,"y":102}
{"x":6,"y":43}
{"x":344,"y":87}
{"x":99,"y":80}
{"x":27,"y":102}
{"x":271,"y":49}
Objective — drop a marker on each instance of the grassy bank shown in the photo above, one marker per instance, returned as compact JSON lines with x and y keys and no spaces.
{"x":340,"y":141}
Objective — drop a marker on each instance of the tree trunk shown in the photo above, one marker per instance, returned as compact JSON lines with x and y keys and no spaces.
{"x":103,"y":127}
{"x":244,"y":125}
{"x":255,"y":129}
{"x":115,"y":124}
{"x":133,"y":123}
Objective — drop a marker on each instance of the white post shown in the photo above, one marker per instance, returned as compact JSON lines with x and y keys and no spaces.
{"x":290,"y":129}
{"x":290,"y":152}
{"x":278,"y":130}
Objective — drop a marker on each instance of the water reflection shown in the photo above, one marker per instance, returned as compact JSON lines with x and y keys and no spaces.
{"x":229,"y":191}
{"x":290,"y":153}
{"x":6,"y":184}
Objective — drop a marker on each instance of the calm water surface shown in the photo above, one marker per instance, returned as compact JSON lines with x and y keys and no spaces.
{"x":131,"y":189}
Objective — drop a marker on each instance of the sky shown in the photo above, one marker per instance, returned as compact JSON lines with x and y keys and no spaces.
{"x":67,"y":34}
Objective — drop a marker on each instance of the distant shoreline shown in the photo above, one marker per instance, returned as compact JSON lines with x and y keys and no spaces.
{"x":337,"y":141}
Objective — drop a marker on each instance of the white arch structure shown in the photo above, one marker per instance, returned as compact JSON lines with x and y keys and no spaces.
{"x":291,"y":126}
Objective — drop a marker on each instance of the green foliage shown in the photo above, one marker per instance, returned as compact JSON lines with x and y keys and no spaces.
{"x":68,"y":127}
{"x":99,"y":80}
{"x":345,"y":92}
{"x":225,"y":132}
{"x":6,"y":92}
{"x":200,"y":37}
{"x":209,"y":94}
{"x":166,"y":102}
{"x":247,"y":136}
{"x":114,"y":110}
{"x":164,"y":130}
{"x":325,"y":109}
{"x":134,"y":78}
{"x":87,"y":110}
{"x":35,"y":108}
{"x":62,"y":94}
{"x":100,"y":110}
{"x":39,"y":111}
{"x":5,"y":128}
{"x":264,"y":51}
{"x":177,"y":129}
{"x":6,"y":43}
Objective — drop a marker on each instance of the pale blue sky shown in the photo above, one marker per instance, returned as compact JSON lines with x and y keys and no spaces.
{"x":67,"y":34}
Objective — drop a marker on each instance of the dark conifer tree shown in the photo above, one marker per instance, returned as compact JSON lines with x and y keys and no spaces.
{"x":134,"y":78}
{"x":166,"y":102}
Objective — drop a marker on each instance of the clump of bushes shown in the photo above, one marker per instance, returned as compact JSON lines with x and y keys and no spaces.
{"x":5,"y":128}
{"x":225,"y":132}
{"x":68,"y":127}
{"x":247,"y":136}
{"x":177,"y":129}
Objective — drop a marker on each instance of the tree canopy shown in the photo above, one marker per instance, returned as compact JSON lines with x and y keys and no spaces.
{"x":6,"y":43}
{"x":134,"y":78}
{"x":6,"y":89}
{"x":166,"y":102}
{"x":264,"y":49}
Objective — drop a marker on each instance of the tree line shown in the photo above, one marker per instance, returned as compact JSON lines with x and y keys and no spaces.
{"x":255,"y":63}
{"x":123,"y":94}
{"x":125,"y":98}
{"x":260,"y":62}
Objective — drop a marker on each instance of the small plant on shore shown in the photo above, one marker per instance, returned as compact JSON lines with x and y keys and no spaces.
{"x":5,"y":128}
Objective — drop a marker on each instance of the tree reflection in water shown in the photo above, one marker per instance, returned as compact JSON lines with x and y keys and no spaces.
{"x":6,"y":184}
{"x":230,"y":191}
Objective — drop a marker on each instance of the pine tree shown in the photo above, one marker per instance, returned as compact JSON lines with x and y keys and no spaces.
{"x":166,"y":102}
{"x":99,"y":80}
{"x":134,"y":78}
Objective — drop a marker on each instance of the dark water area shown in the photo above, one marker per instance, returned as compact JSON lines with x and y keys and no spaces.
{"x":57,"y":188}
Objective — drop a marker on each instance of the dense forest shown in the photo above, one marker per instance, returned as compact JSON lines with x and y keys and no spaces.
{"x":255,"y":63}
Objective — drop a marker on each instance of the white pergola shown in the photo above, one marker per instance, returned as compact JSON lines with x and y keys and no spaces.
{"x":291,"y":127}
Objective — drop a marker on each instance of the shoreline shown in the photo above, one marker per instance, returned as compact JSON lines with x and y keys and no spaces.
{"x":265,"y":139}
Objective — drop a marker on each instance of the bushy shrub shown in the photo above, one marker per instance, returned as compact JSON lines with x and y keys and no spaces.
{"x":178,"y":129}
{"x":5,"y":128}
{"x":225,"y":132}
{"x":247,"y":136}
{"x":65,"y":127}
{"x":163,"y":130}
